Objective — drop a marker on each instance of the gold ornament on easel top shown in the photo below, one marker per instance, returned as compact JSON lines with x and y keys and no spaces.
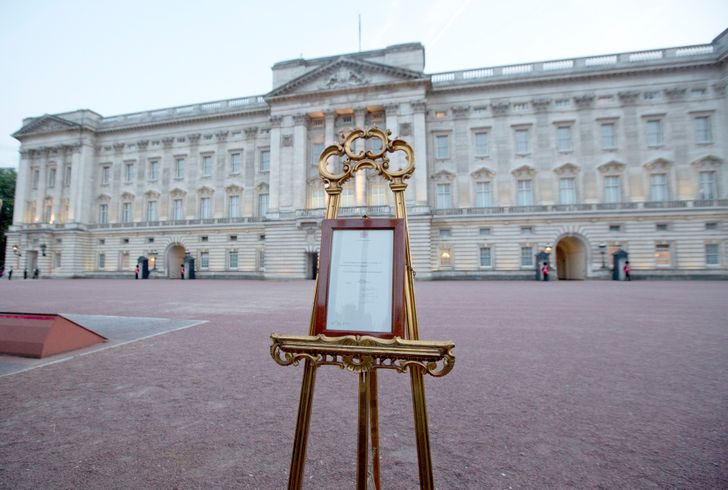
{"x":365,"y":354}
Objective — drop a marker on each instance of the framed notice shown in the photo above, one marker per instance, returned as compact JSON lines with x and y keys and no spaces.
{"x":361,"y":281}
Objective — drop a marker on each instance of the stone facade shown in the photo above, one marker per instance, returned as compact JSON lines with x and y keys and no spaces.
{"x":577,"y":157}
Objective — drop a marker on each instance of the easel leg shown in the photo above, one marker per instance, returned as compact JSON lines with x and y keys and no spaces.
{"x":374,"y":420}
{"x":298,"y":459}
{"x":362,"y":463}
{"x":427,"y":481}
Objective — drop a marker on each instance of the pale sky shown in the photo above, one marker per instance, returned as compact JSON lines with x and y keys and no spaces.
{"x":133,"y":55}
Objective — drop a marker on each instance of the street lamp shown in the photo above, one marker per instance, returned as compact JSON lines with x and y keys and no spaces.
{"x":43,"y":249}
{"x":16,"y":250}
{"x":603,"y":250}
{"x":547,"y":249}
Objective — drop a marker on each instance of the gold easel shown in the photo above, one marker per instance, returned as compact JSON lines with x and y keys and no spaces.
{"x":365,"y":354}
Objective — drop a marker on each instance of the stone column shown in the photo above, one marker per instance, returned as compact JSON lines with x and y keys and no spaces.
{"x":140,"y":183}
{"x":299,"y":161}
{"x":360,"y":178}
{"x":586,"y":151}
{"x":218,"y":198}
{"x":461,"y":150}
{"x":632,"y":127}
{"x":543,"y":154}
{"x":275,"y":165}
{"x":503,"y":153}
{"x":22,"y":187}
{"x":248,"y":163}
{"x":419,"y":196}
{"x":82,"y":175}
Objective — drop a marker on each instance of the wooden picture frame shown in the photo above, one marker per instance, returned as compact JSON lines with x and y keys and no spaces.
{"x":361,"y":278}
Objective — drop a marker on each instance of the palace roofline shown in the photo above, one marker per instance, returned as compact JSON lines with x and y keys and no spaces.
{"x":597,"y":65}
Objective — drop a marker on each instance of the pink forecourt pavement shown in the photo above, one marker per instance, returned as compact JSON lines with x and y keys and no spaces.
{"x":578,"y":385}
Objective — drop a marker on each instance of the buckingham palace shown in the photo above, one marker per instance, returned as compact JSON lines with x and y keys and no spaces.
{"x":570,"y":159}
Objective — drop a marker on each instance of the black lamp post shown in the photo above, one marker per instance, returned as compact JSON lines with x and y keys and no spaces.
{"x":603,"y":250}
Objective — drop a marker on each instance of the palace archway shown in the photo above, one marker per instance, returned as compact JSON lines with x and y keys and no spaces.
{"x":175,"y":258}
{"x":571,"y":258}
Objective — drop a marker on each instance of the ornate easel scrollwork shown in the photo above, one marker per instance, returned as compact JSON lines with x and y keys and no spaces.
{"x":364,"y":353}
{"x":365,"y":159}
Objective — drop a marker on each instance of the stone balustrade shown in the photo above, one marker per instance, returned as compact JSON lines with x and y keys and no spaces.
{"x":575,"y":65}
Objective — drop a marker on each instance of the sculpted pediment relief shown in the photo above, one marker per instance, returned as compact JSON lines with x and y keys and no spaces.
{"x":524,"y":171}
{"x":152,"y":194}
{"x":611,"y":167}
{"x":127,"y":196}
{"x":103,"y":198}
{"x":482,"y":173}
{"x":657,"y":165}
{"x":233,"y":189}
{"x":46,"y":124}
{"x":566,"y":170}
{"x":443,"y":176}
{"x":205,"y":191}
{"x":345,"y":73}
{"x":177,"y":192}
{"x":709,"y":162}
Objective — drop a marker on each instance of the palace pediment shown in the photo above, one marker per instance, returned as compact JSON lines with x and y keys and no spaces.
{"x":46,"y":124}
{"x":345,"y":74}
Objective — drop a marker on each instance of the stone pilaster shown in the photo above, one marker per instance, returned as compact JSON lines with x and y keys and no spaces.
{"x":299,"y":160}
{"x":275,"y":166}
{"x":360,"y":178}
{"x":419,"y":196}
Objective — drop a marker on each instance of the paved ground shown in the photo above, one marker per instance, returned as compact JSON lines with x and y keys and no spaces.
{"x":558,"y":385}
{"x":118,"y":330}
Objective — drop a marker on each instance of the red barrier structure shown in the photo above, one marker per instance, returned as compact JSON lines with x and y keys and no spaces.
{"x":41,"y":335}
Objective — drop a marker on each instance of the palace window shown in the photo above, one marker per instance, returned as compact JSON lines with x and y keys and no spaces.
{"x":654,"y":132}
{"x":712,"y":254}
{"x":377,"y":193}
{"x":444,"y":199}
{"x":707,"y":185}
{"x":486,"y":260}
{"x":261,"y":260}
{"x":480,"y":139}
{"x":153,"y":170}
{"x":57,"y":260}
{"x":315,"y":196}
{"x":484,"y":231}
{"x":264,"y":160}
{"x":105,"y":175}
{"x":445,"y":257}
{"x":126,"y":213}
{"x":129,"y":172}
{"x":615,"y":228}
{"x":102,"y":261}
{"x":662,"y":255}
{"x":234,"y":206}
{"x":567,"y":190}
{"x":608,"y":133}
{"x":563,"y":139}
{"x":442,"y":146}
{"x":206,"y":165}
{"x":524,"y":196}
{"x":262,"y":204}
{"x":712,"y":225}
{"x":445,"y":233}
{"x":179,"y":168}
{"x":527,"y":257}
{"x":124,"y":262}
{"x":347,"y":195}
{"x":103,"y":214}
{"x":232,"y":259}
{"x":178,"y":209}
{"x":658,"y":187}
{"x":152,"y":211}
{"x":522,"y":142}
{"x":67,"y":176}
{"x":205,"y":208}
{"x":483,"y":194}
{"x":234,"y":163}
{"x":612,"y":188}
{"x":703,"y":130}
{"x":204,"y":260}
{"x":51,"y":178}
{"x":316,"y":150}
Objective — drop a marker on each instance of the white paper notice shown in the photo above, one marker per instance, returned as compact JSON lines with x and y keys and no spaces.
{"x":360,"y":285}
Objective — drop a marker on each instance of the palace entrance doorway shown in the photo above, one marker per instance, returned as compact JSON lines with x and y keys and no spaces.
{"x":571,"y":258}
{"x":175,"y":258}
